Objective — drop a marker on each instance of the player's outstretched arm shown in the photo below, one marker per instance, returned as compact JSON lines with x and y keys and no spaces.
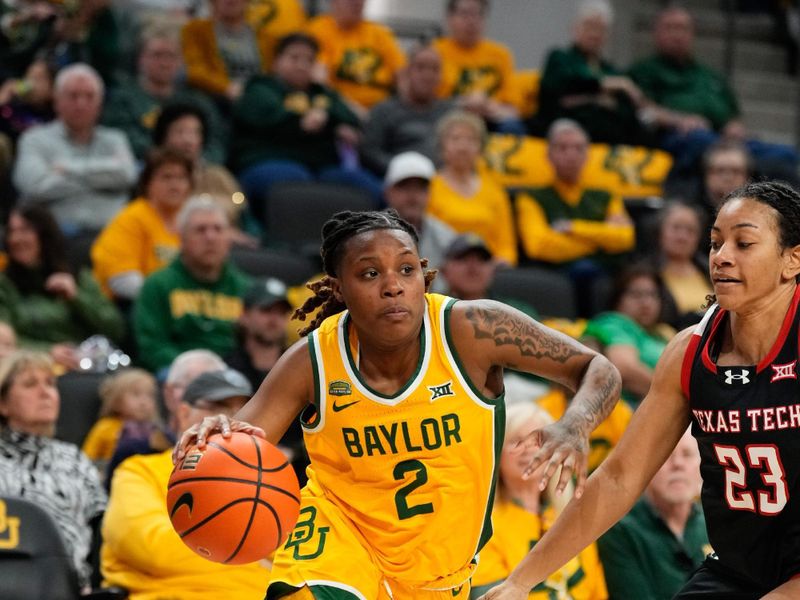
{"x":490,"y":336}
{"x":286,"y":390}
{"x":614,"y":487}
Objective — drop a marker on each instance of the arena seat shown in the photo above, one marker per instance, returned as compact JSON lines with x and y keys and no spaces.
{"x":297,"y":211}
{"x":292,"y":269}
{"x":80,"y":404}
{"x":34,"y":562}
{"x":550,"y":293}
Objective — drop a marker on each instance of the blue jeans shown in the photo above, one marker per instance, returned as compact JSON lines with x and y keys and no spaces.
{"x":257,"y":180}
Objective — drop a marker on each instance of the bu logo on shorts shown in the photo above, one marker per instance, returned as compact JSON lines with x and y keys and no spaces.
{"x":740,"y":376}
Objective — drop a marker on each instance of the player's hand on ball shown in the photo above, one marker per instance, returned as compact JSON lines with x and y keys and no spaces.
{"x":558,"y":445}
{"x":197,"y":434}
{"x":506,"y":591}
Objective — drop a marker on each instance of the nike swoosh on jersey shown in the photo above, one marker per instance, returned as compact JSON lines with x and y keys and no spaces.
{"x":338,"y":407}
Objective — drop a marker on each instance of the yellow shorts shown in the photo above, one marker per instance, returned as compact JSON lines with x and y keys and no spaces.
{"x":325,"y":559}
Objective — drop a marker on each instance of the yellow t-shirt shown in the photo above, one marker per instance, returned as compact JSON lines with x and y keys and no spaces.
{"x":603,"y":439}
{"x":412,"y":472}
{"x":101,"y":441}
{"x":362,"y":62}
{"x":689,"y":292}
{"x":541,"y":242}
{"x":628,"y":171}
{"x":487,"y":213}
{"x":276,"y":18}
{"x":142,"y":553}
{"x":487,"y":67}
{"x":137,"y":239}
{"x":516,"y":531}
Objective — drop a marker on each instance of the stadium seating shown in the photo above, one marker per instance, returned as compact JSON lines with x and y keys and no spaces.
{"x":33,"y":560}
{"x":297,"y":211}
{"x":549,"y":292}
{"x":292,"y":269}
{"x":80,"y":404}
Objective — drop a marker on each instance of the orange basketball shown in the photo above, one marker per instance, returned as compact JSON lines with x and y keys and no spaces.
{"x":234,"y":502}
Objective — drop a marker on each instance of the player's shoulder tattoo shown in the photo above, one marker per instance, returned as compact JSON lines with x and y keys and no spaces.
{"x":508,"y":328}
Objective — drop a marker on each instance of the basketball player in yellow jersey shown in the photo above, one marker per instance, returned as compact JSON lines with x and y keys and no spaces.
{"x":401,"y":394}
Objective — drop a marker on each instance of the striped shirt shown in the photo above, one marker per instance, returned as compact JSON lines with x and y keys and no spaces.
{"x":58,"y":477}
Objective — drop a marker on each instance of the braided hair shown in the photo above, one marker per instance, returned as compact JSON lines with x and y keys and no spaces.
{"x":336,"y":232}
{"x":784,"y":200}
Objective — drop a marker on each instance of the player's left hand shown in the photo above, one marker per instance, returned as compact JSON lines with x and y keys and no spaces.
{"x":505,"y":591}
{"x":558,"y":445}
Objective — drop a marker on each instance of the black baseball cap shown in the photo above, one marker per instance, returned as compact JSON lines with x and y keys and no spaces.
{"x":465,"y":243}
{"x":266,"y":293}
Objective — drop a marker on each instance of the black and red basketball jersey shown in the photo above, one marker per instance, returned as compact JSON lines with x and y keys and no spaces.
{"x":746,"y":420}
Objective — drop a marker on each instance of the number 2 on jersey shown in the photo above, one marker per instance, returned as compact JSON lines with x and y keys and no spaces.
{"x":404,"y":511}
{"x":762,"y":457}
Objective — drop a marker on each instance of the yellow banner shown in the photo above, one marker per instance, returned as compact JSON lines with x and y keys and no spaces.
{"x":630,"y":171}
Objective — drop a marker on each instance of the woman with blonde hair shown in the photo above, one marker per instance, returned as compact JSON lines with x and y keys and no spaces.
{"x":53,"y":474}
{"x":129,"y":399}
{"x":523,"y":512}
{"x":465,"y":195}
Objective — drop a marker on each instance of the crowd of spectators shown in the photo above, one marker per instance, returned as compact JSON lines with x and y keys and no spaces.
{"x":154,"y":134}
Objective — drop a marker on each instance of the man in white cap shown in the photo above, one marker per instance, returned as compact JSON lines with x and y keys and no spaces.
{"x":406,"y":189}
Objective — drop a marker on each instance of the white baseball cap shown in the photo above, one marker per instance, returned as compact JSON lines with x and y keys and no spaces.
{"x":407,"y":165}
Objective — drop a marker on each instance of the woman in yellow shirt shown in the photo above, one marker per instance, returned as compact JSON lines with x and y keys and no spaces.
{"x":680,"y":262}
{"x":467,"y":197}
{"x":360,"y":59}
{"x":143,"y":237}
{"x":477,"y":71}
{"x":521,"y":515}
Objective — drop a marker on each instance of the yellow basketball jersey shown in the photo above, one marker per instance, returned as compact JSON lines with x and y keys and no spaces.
{"x":516,"y":532}
{"x":414,"y":472}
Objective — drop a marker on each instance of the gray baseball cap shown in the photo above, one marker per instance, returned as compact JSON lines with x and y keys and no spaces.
{"x":215,"y":386}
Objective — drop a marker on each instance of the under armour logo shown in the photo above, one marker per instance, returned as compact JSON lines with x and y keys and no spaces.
{"x":783,"y":371}
{"x":742,"y":377}
{"x":437,"y":391}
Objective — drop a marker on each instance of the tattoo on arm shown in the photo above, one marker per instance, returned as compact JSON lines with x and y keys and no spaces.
{"x":596,"y":397}
{"x":506,"y":329}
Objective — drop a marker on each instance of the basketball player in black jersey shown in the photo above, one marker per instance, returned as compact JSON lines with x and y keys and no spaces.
{"x":734,"y":378}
